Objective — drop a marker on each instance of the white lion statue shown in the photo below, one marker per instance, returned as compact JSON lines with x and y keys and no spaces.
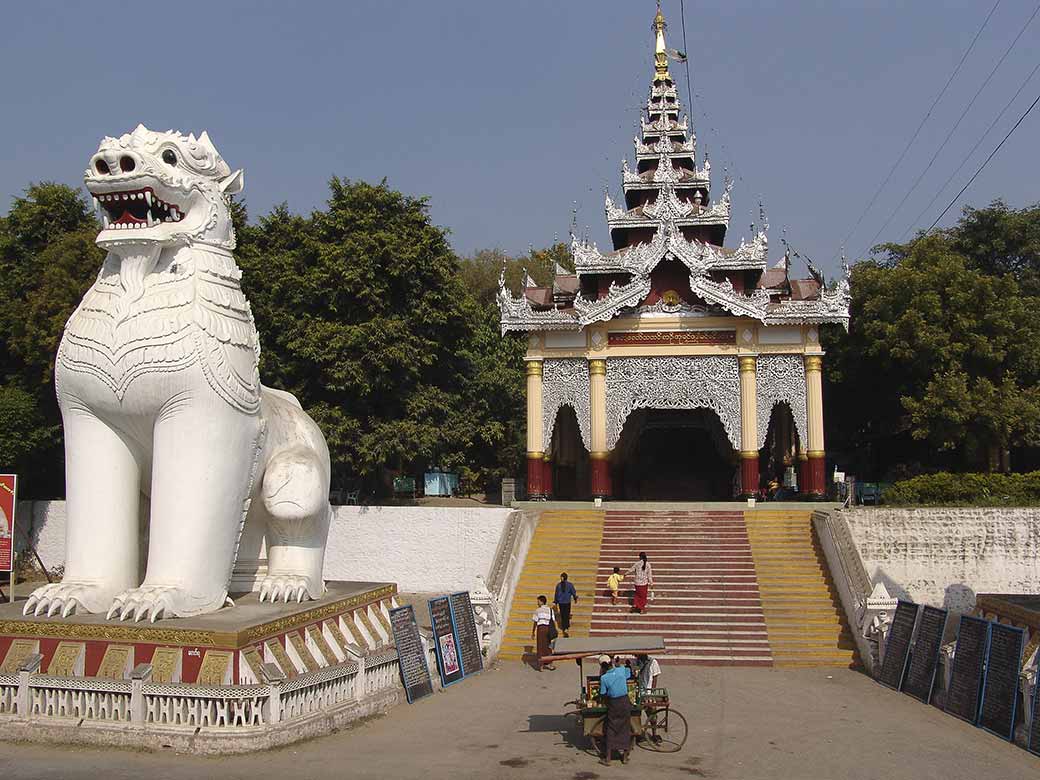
{"x":169,"y":435}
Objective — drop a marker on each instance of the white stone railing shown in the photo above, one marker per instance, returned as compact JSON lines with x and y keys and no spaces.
{"x":849,"y":576}
{"x":38,"y":698}
{"x":8,"y":694}
{"x":505,"y":571}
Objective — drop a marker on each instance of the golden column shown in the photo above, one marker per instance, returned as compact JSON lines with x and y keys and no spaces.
{"x":748,"y":425}
{"x":814,"y":407}
{"x":599,"y":456}
{"x":535,"y":447}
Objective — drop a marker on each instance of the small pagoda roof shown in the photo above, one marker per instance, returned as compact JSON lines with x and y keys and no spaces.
{"x":669,"y":206}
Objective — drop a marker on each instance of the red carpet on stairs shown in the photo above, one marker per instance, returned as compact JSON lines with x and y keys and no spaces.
{"x":706,"y":601}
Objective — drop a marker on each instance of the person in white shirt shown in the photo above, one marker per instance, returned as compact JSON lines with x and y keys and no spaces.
{"x":644,"y":576}
{"x":540,"y":622}
{"x":649,"y":671}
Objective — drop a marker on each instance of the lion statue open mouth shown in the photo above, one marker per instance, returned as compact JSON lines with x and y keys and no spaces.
{"x":167,"y":427}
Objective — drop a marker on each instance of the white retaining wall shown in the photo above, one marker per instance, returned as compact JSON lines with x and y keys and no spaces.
{"x":424,"y":549}
{"x":943,"y":557}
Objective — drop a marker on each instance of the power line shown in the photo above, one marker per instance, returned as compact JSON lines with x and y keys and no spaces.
{"x":686,"y":52}
{"x":956,"y":197}
{"x":953,"y":129}
{"x":913,"y":138}
{"x":968,"y":156}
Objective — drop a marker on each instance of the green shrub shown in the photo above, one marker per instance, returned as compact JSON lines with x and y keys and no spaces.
{"x":946,"y":489}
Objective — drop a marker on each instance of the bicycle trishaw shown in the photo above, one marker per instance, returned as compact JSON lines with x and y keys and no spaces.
{"x":655,"y":724}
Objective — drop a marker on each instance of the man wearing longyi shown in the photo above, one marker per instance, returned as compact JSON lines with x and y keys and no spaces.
{"x":617,"y":729}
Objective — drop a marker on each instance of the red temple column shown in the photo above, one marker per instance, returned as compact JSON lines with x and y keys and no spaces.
{"x":599,"y":466}
{"x":547,"y":476}
{"x":535,"y":476}
{"x":749,"y":473}
{"x":817,"y":475}
{"x":803,"y":473}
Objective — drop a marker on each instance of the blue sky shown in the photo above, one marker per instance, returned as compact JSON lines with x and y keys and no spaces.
{"x":505,"y":114}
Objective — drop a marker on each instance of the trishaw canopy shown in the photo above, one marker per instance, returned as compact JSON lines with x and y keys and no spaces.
{"x":574,"y":648}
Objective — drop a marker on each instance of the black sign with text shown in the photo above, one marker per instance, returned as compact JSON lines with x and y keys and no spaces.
{"x":415,"y":672}
{"x":924,"y":660}
{"x":969,"y":658}
{"x":1034,"y":728}
{"x":897,"y":644}
{"x":469,"y":637}
{"x":1000,"y":686}
{"x":446,"y":639}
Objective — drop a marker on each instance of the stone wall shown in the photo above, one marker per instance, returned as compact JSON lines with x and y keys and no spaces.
{"x":422,"y":549}
{"x":944,"y":557}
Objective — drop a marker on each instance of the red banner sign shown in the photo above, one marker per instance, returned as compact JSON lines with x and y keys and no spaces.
{"x":8,"y":493}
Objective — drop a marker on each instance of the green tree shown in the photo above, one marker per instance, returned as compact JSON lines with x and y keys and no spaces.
{"x":47,"y":261}
{"x":941,"y":366}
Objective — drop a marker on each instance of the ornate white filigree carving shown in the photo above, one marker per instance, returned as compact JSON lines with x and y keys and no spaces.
{"x":565,"y":382}
{"x":695,"y":382}
{"x":518,"y":314}
{"x":618,"y":297}
{"x":665,"y":145}
{"x":156,"y":375}
{"x":831,"y":307}
{"x":681,"y":309}
{"x":723,"y":294}
{"x":663,"y":124}
{"x":780,"y":378}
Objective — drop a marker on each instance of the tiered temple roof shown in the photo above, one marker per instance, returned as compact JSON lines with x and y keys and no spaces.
{"x":669,"y":227}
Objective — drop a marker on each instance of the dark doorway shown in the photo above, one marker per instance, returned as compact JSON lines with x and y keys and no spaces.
{"x":675,"y":455}
{"x":570,"y":459}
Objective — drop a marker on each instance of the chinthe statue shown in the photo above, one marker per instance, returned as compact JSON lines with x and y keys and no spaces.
{"x":168,"y":431}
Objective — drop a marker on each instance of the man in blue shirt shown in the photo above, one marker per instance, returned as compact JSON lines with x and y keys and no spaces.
{"x":565,"y":594}
{"x":617,"y":727}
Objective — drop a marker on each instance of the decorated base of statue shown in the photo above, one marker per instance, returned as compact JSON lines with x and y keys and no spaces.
{"x":236,"y":645}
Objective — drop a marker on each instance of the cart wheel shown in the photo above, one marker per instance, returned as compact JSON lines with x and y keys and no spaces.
{"x":665,"y":731}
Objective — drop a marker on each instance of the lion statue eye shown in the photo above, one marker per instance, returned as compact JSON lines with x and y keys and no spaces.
{"x":169,"y":157}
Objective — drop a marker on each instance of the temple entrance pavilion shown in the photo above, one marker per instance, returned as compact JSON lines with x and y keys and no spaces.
{"x":672,"y":366}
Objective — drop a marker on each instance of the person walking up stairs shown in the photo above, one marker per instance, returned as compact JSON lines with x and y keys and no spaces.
{"x":565,"y":540}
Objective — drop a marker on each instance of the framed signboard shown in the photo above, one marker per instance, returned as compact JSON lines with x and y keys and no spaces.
{"x":1000,"y":682}
{"x":897,"y":645}
{"x":924,"y":660}
{"x":8,"y":502}
{"x":415,"y":672}
{"x":466,"y":630}
{"x":969,"y":658}
{"x":446,"y":640}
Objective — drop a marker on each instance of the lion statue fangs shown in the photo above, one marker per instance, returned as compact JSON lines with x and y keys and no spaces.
{"x":158,"y":384}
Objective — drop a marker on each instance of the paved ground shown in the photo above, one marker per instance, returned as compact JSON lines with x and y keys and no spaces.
{"x":506,"y":723}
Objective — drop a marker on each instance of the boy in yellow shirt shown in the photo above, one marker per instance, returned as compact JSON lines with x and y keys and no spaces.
{"x":614,"y":583}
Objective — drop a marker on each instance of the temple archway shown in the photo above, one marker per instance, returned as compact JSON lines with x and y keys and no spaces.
{"x":569,"y":460}
{"x":778,"y":458}
{"x":674,"y":455}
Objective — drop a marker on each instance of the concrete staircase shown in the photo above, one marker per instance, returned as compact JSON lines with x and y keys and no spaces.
{"x":564,"y":541}
{"x":803,"y":612}
{"x":706,"y":603}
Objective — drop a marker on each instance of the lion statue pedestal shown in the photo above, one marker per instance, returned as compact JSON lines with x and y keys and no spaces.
{"x":167,"y":427}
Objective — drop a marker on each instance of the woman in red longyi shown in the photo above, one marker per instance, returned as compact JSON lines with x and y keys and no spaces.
{"x":644,"y":581}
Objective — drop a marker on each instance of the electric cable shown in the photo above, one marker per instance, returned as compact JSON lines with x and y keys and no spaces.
{"x":953,"y":129}
{"x":956,"y":197}
{"x":968,"y":156}
{"x":917,"y":132}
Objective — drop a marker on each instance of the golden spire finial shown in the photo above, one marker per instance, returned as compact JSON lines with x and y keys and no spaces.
{"x":660,"y":52}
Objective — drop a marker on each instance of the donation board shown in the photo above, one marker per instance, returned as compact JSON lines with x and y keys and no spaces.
{"x":8,"y":499}
{"x":1000,"y":685}
{"x":924,"y":660}
{"x":897,"y":645}
{"x":415,"y":672}
{"x":969,"y":657}
{"x":1034,"y":727}
{"x":466,"y":628}
{"x":446,"y":640}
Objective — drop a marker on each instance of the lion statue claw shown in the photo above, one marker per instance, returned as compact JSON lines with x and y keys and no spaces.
{"x":166,"y":423}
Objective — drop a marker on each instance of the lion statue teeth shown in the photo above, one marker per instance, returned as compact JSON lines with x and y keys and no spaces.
{"x":169,"y":435}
